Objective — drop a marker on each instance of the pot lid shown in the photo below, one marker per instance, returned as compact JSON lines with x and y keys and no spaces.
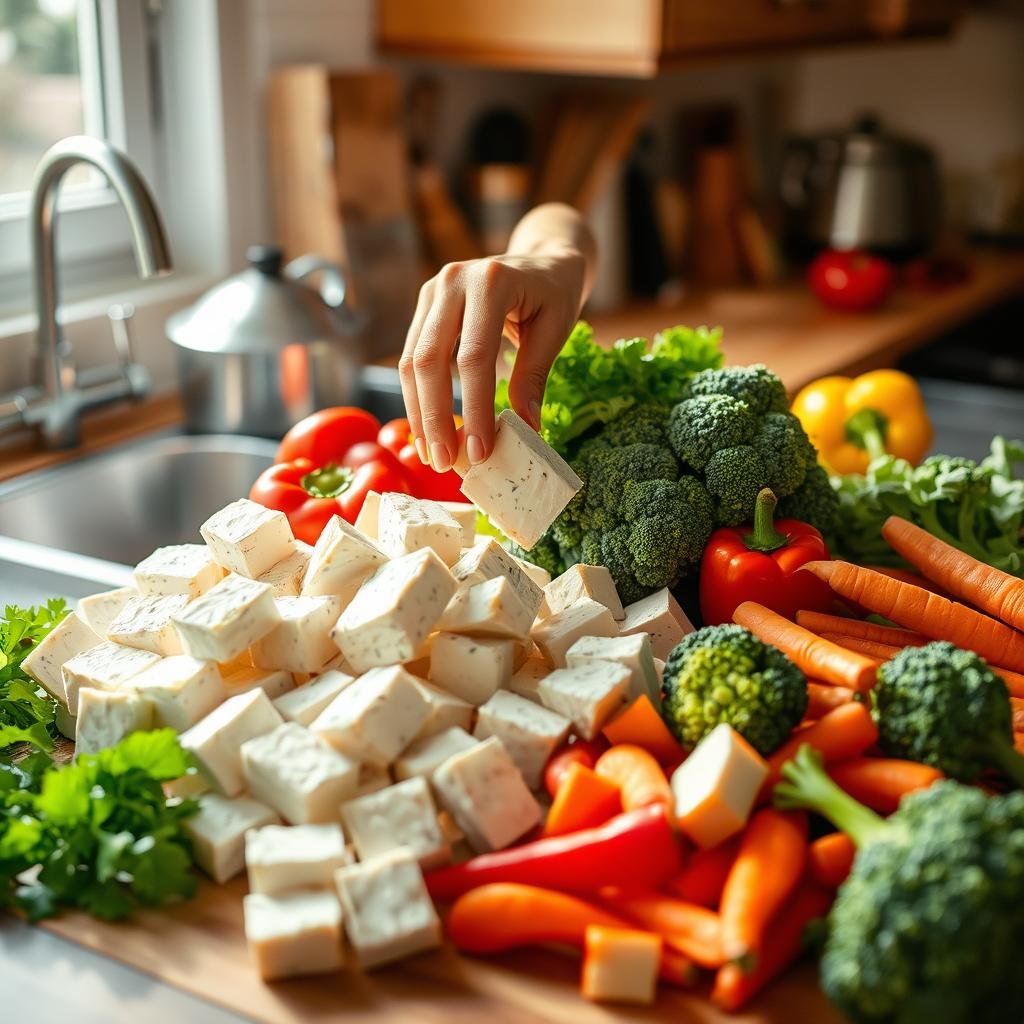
{"x":257,"y":310}
{"x":868,"y":143}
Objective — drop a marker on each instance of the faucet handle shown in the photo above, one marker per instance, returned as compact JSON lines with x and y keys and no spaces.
{"x":120,"y":316}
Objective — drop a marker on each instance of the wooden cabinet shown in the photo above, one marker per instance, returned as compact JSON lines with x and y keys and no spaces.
{"x":640,"y":37}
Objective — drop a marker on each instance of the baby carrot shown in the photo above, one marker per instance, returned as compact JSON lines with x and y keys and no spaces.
{"x":823,"y":623}
{"x":869,"y":648}
{"x":638,"y":776}
{"x":881,"y":782}
{"x":830,"y":858}
{"x":822,"y":698}
{"x":703,"y":878}
{"x":583,"y":800}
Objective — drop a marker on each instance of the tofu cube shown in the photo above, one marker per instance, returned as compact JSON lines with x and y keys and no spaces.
{"x":394,"y":611}
{"x":487,"y":560}
{"x":293,"y":935}
{"x":587,"y":695}
{"x":372,"y":779}
{"x":65,"y":723}
{"x":215,"y":740}
{"x":423,"y":756}
{"x":488,"y":609}
{"x":285,"y":577}
{"x":375,"y":718}
{"x":369,"y":515}
{"x":98,"y":611}
{"x":444,"y":710}
{"x":273,"y":682}
{"x":401,"y":815}
{"x":283,"y":858}
{"x":484,"y":792}
{"x":248,"y":539}
{"x":147,"y":623}
{"x":525,"y":681}
{"x":539,"y":576}
{"x":620,"y":965}
{"x":301,"y":641}
{"x":633,"y":651}
{"x":472,"y":668}
{"x":557,"y":633}
{"x":523,"y":485}
{"x":103,"y":667}
{"x":715,"y":787}
{"x":593,"y":581}
{"x":220,"y":624}
{"x":218,"y":832}
{"x":342,"y":560}
{"x":69,"y":638}
{"x":105,"y":717}
{"x":406,"y":524}
{"x":530,"y":733}
{"x":659,"y":615}
{"x":388,"y":912}
{"x":180,"y":691}
{"x":303,"y":779}
{"x":464,"y":513}
{"x":304,"y":703}
{"x":188,"y":569}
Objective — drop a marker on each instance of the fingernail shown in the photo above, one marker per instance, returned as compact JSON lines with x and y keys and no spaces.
{"x":535,"y":414}
{"x":421,"y":450}
{"x":439,"y":457}
{"x":474,"y":449}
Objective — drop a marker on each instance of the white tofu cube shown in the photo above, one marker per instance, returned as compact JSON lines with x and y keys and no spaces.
{"x":105,"y":717}
{"x":65,"y":723}
{"x":557,"y":633}
{"x":539,"y":575}
{"x":394,"y":611}
{"x":484,"y":792}
{"x":445,"y":710}
{"x":304,"y":703}
{"x":285,"y":577}
{"x":388,"y":912}
{"x":525,"y":681}
{"x":218,"y":832}
{"x":273,"y":682}
{"x":342,"y":560}
{"x":406,"y":524}
{"x":188,"y":569}
{"x":301,"y":641}
{"x":523,"y":485}
{"x":293,"y":935}
{"x":247,"y":538}
{"x":593,"y":581}
{"x":180,"y":690}
{"x":660,"y":615}
{"x":98,"y":611}
{"x":464,"y":513}
{"x":215,"y":740}
{"x":633,"y":651}
{"x":588,"y":695}
{"x":423,"y":756}
{"x":488,"y":609}
{"x":487,"y":560}
{"x":659,"y":670}
{"x":620,"y":965}
{"x":283,"y":858}
{"x":69,"y":638}
{"x":147,"y":623}
{"x":470,"y":667}
{"x":401,"y":815}
{"x":220,"y":624}
{"x":372,"y":779}
{"x":530,"y":733}
{"x":303,"y":779}
{"x":192,"y":783}
{"x":369,"y":515}
{"x":375,"y":718}
{"x":103,"y":667}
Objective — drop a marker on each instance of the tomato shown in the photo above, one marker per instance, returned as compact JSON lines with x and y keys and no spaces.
{"x":584,"y":752}
{"x":327,"y":435}
{"x":851,"y":280}
{"x":425,"y":482}
{"x":395,"y":435}
{"x":371,"y":451}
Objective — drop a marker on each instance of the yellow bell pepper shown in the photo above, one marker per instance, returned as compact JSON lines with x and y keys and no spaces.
{"x":853,"y":421}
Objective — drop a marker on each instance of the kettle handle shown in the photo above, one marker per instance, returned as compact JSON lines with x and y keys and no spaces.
{"x":333,"y":288}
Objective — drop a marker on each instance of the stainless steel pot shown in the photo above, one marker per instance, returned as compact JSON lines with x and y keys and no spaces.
{"x":261,"y":350}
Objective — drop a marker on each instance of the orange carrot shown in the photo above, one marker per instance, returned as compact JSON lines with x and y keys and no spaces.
{"x":1018,"y":742}
{"x":703,"y":878}
{"x":821,"y":623}
{"x":906,"y":576}
{"x":830,"y":858}
{"x":773,"y":850}
{"x":822,"y":698}
{"x":639,"y":778}
{"x":583,"y":800}
{"x":784,"y":942}
{"x":1017,"y":706}
{"x":925,"y":612}
{"x":992,"y":590}
{"x":881,"y":782}
{"x":1014,"y":680}
{"x":818,"y":658}
{"x":869,"y":648}
{"x":641,"y":725}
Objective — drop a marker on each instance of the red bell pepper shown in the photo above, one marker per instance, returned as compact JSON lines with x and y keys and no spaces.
{"x":638,"y":845}
{"x":424,"y":481}
{"x":761,"y":565}
{"x":325,"y":436}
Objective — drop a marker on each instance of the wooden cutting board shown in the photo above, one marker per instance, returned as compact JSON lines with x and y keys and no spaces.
{"x":199,"y":946}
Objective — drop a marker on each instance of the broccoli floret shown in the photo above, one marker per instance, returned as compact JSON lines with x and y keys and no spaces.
{"x":544,"y":553}
{"x":929,"y":923}
{"x":785,"y":450}
{"x":734,"y":477}
{"x":945,"y":707}
{"x":815,"y":501}
{"x":699,"y":427}
{"x":643,"y":424}
{"x":756,"y":385}
{"x":726,"y":674}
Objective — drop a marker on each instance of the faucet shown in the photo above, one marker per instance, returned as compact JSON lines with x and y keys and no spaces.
{"x":54,"y":403}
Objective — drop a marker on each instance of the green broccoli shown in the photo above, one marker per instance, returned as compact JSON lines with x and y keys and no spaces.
{"x":785,"y":450}
{"x":734,"y":477}
{"x":815,"y":501}
{"x":945,"y":707}
{"x":929,"y":925}
{"x":726,"y":674}
{"x":756,"y":385}
{"x":699,"y":427}
{"x":643,"y":424}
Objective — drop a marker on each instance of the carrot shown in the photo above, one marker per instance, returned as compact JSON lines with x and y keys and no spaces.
{"x":881,"y":782}
{"x":641,"y":725}
{"x":822,"y":698}
{"x":1017,"y":706}
{"x":703,"y":878}
{"x":583,"y":800}
{"x":869,"y":648}
{"x":906,"y":576}
{"x":784,"y":942}
{"x":1018,"y":742}
{"x":830,"y":858}
{"x":639,"y":778}
{"x":1014,"y":680}
{"x":987,"y":588}
{"x":694,"y":931}
{"x":818,"y":658}
{"x":927,"y":613}
{"x":773,"y":850}
{"x":821,"y":623}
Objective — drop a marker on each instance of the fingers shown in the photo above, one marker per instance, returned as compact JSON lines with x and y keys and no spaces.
{"x":406,"y":370}
{"x":541,"y":339}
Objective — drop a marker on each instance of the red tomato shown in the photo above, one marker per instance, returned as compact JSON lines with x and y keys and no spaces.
{"x":327,"y":435}
{"x":584,"y":752}
{"x":425,"y":483}
{"x":395,"y":435}
{"x":852,"y":280}
{"x":371,"y":451}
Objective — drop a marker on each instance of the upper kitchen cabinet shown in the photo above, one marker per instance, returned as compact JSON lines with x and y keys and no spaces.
{"x":640,"y":37}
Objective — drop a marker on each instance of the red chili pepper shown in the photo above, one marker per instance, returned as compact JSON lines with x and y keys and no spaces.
{"x":761,"y":565}
{"x":638,"y":844}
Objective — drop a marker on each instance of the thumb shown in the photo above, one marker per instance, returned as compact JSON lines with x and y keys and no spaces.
{"x":540,"y":341}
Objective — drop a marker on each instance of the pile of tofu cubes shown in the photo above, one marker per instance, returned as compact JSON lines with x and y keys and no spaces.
{"x":362,"y":710}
